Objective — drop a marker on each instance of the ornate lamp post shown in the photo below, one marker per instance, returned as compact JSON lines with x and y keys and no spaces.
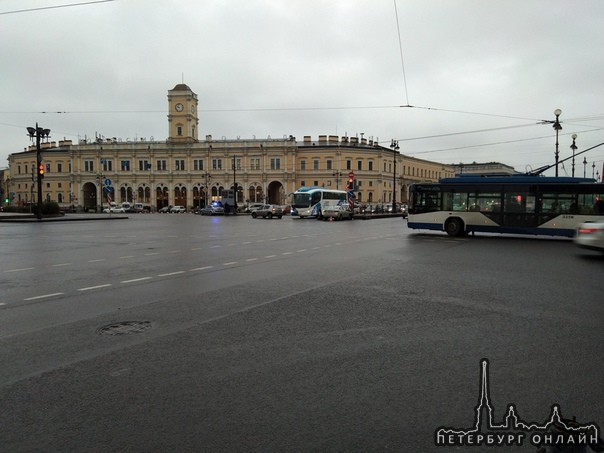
{"x":557,"y":127}
{"x":38,"y":133}
{"x":574,"y":148}
{"x":395,"y":148}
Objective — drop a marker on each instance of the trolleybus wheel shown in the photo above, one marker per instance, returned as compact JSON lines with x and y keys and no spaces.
{"x":454,"y":227}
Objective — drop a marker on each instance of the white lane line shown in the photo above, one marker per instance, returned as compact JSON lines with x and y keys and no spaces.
{"x":20,"y":270}
{"x":202,"y":268}
{"x":96,"y":261}
{"x":251,"y":259}
{"x":229,"y":263}
{"x":62,"y":264}
{"x":126,"y":257}
{"x":171,"y":273}
{"x":2,"y":303}
{"x":270,"y":256}
{"x":196,"y":248}
{"x":136,"y":280}
{"x":287,"y":253}
{"x":95,"y":287}
{"x":214,"y":246}
{"x":43,"y":296}
{"x":301,"y":250}
{"x":246,"y":242}
{"x":151,"y":254}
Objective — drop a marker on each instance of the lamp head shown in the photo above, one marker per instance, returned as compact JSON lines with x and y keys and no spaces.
{"x":574,"y":136}
{"x":557,"y":112}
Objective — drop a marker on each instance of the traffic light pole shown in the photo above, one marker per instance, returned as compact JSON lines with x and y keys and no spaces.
{"x":38,"y":133}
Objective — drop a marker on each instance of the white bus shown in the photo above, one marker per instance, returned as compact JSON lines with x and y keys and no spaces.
{"x":309,"y":201}
{"x":553,"y":206}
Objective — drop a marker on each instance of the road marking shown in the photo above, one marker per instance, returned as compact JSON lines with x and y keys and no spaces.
{"x":171,"y":273}
{"x":43,"y":296}
{"x":270,"y":256}
{"x":62,"y":264}
{"x":229,"y":263}
{"x":246,"y":242}
{"x":126,"y":257}
{"x":151,"y":254}
{"x":196,"y":248}
{"x":20,"y":270}
{"x":95,"y":287}
{"x":202,"y":268}
{"x":136,"y":280}
{"x":2,"y":303}
{"x":287,"y":253}
{"x":214,"y":246}
{"x":174,"y":251}
{"x":301,"y":250}
{"x":96,"y":261}
{"x":251,"y":259}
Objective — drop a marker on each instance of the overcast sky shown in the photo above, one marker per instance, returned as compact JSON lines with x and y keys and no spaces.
{"x":469,"y":80}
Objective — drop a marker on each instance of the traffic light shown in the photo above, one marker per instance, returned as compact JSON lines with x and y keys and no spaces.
{"x":41,"y":170}
{"x":350,"y":185}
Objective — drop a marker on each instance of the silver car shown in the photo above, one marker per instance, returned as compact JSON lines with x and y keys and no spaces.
{"x":590,"y":235}
{"x":337,"y":212}
{"x":268,"y":210}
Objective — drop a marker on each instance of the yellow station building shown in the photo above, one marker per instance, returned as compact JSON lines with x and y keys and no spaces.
{"x":187,"y":171}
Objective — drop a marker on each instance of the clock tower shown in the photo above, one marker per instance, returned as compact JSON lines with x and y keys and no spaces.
{"x":182,"y":114}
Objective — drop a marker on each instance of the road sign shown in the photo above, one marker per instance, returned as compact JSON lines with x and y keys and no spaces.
{"x":108,"y":182}
{"x":107,"y":189}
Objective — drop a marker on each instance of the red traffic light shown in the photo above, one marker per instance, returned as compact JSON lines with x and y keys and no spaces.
{"x":41,"y":169}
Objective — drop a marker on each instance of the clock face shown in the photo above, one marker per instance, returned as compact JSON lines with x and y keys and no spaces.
{"x":179,"y":107}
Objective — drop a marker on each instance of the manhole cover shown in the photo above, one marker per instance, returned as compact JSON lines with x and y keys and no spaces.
{"x":124,"y":327}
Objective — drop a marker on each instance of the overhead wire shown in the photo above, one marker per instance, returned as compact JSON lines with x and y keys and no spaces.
{"x":67,"y":5}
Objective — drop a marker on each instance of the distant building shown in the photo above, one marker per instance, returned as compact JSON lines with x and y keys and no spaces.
{"x":187,"y":171}
{"x":487,"y":168}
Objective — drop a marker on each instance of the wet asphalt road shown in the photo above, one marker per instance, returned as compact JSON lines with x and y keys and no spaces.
{"x":286,"y":335}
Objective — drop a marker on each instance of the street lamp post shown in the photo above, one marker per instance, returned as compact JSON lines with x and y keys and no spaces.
{"x":38,"y":133}
{"x":207,"y":176}
{"x":574,"y":148}
{"x":234,"y":185}
{"x":557,"y":127}
{"x":395,"y":148}
{"x":338,"y":175}
{"x":584,"y":165}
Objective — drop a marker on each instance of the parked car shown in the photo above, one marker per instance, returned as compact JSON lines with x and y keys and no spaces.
{"x":140,"y":207}
{"x":268,"y":210}
{"x":590,"y":235}
{"x":214,"y":208}
{"x":251,"y":207}
{"x":337,"y":212}
{"x":405,"y":210}
{"x":114,"y":208}
{"x":165,"y":209}
{"x":178,"y":210}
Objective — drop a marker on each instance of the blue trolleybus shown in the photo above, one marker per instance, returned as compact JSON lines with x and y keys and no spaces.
{"x":538,"y":205}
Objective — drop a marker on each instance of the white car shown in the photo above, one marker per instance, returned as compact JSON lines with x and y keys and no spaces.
{"x":178,"y":210}
{"x":590,"y":235}
{"x":337,"y":212}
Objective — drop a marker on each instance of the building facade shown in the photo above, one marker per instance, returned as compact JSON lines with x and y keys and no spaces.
{"x":187,"y":171}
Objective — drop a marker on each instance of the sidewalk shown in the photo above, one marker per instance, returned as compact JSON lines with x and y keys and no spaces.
{"x":16,"y":217}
